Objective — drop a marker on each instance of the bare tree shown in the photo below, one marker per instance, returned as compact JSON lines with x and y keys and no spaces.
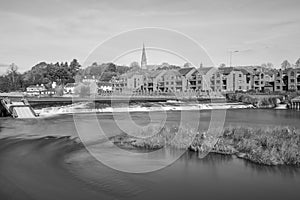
{"x":12,"y":69}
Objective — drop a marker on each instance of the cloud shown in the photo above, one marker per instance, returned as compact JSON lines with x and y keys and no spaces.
{"x":58,"y":30}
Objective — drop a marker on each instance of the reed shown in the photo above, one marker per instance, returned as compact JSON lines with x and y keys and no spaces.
{"x":269,"y":146}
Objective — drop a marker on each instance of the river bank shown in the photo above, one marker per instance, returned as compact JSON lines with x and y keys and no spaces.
{"x":267,"y":146}
{"x":258,"y":101}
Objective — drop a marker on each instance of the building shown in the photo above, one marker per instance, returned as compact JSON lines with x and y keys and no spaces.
{"x":258,"y":80}
{"x":35,"y":90}
{"x":130,"y":81}
{"x":151,"y":80}
{"x":70,"y":88}
{"x":279,"y":78}
{"x":293,"y":79}
{"x":144,"y":58}
{"x":89,"y":79}
{"x":171,"y":81}
{"x":195,"y":82}
{"x":104,"y":86}
{"x":39,"y":90}
{"x":230,"y":79}
{"x":207,"y":74}
{"x":189,"y":82}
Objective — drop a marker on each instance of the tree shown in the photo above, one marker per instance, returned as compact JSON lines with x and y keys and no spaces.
{"x":221,"y":65}
{"x":111,"y":67}
{"x":134,"y":65}
{"x":122,"y":69}
{"x":12,"y":70}
{"x":270,"y":65}
{"x":82,"y":90}
{"x":285,"y":64}
{"x":59,"y":91}
{"x":187,"y":65}
{"x":4,"y":84}
{"x":267,"y":65}
{"x":74,"y":67}
{"x":297,"y":64}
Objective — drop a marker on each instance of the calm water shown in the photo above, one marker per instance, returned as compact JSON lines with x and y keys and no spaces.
{"x":58,"y":167}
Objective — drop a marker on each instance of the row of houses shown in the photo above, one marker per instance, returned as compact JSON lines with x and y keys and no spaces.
{"x":163,"y":80}
{"x":226,"y":79}
{"x":204,"y":79}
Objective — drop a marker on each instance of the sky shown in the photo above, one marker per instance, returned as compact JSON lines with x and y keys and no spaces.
{"x":262,"y":31}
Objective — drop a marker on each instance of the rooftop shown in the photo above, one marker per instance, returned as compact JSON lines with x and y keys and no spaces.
{"x":204,"y":70}
{"x":185,"y":71}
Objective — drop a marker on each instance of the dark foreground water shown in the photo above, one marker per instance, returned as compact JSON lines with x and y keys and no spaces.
{"x":36,"y":166}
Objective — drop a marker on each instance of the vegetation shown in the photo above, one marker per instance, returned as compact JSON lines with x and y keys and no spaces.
{"x":259,"y":101}
{"x":61,"y":73}
{"x":269,"y":146}
{"x":42,"y":73}
{"x":105,"y":71}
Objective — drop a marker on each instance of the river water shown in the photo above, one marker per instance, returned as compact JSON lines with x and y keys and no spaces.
{"x":38,"y":160}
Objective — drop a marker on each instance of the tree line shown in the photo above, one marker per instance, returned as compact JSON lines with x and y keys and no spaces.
{"x":61,"y":73}
{"x":42,"y":73}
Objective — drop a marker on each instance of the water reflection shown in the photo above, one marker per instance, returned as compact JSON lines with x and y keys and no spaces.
{"x":284,"y":171}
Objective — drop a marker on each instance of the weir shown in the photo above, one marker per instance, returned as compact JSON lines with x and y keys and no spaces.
{"x":295,"y":103}
{"x":20,"y":109}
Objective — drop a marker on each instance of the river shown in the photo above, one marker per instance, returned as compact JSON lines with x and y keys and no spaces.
{"x":38,"y":160}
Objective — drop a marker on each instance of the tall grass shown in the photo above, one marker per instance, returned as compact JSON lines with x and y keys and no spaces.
{"x":269,"y":146}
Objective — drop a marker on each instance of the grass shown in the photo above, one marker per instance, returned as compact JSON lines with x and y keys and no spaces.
{"x":268,"y":146}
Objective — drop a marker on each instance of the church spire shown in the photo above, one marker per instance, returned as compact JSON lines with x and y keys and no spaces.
{"x":144,"y":59}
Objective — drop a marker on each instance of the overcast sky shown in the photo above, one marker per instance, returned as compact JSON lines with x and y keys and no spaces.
{"x":263,"y":31}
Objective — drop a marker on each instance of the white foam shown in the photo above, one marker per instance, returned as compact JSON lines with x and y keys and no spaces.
{"x":79,"y":108}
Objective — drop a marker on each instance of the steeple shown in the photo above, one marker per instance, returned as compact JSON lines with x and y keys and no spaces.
{"x":144,"y":59}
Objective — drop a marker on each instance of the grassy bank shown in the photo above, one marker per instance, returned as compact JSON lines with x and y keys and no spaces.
{"x":270,"y":146}
{"x":259,"y":101}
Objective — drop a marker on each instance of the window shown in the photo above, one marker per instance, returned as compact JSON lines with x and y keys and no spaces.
{"x":292,"y":80}
{"x":240,"y":75}
{"x":292,"y":73}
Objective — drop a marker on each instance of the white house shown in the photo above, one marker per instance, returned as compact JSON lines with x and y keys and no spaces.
{"x":35,"y":90}
{"x":70,"y":88}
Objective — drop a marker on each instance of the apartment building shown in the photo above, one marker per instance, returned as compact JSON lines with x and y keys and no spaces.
{"x":171,"y":80}
{"x":207,"y":74}
{"x":131,"y":81}
{"x":189,"y":81}
{"x":293,"y":79}
{"x":229,"y":79}
{"x":151,"y":80}
{"x":195,"y":81}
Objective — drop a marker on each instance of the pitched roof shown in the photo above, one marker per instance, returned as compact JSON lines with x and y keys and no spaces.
{"x":71,"y":84}
{"x":204,"y":70}
{"x":245,"y":72}
{"x":225,"y":70}
{"x":174,"y":72}
{"x":154,"y":74}
{"x":185,"y":71}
